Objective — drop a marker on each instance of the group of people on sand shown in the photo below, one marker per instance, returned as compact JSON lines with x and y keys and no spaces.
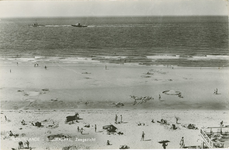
{"x":80,"y":130}
{"x":21,"y":146}
{"x":165,"y":143}
{"x":37,"y":65}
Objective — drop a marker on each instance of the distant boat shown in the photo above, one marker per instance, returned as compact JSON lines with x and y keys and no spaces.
{"x":36,"y":25}
{"x":78,"y":25}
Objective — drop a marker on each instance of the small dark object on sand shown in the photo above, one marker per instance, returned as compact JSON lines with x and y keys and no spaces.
{"x":120,"y":133}
{"x":173,"y":127}
{"x":87,"y":126}
{"x":190,"y":126}
{"x":124,"y":147}
{"x":110,"y":128}
{"x":38,"y":124}
{"x":59,"y":136}
{"x":69,"y":148}
{"x":45,"y":89}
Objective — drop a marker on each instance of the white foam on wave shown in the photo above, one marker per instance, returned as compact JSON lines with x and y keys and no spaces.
{"x":75,"y":60}
{"x":210,"y":57}
{"x":113,"y":57}
{"x":23,"y":59}
{"x":164,"y":57}
{"x":52,"y":59}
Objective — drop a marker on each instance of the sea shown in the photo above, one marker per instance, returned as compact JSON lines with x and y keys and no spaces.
{"x":146,"y":40}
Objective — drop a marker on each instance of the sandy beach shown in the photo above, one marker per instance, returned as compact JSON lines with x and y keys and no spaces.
{"x":95,"y":90}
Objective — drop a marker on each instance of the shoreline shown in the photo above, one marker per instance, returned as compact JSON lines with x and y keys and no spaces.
{"x":154,"y":60}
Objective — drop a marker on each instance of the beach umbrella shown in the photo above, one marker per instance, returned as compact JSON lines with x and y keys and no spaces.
{"x":164,"y":141}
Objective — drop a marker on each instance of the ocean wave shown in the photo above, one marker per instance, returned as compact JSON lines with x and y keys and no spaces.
{"x":56,"y":26}
{"x":209,"y":57}
{"x":164,"y":57}
{"x":113,"y":57}
{"x":176,"y":60}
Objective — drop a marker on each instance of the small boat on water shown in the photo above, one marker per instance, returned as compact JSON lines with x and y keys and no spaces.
{"x":78,"y":25}
{"x":36,"y":25}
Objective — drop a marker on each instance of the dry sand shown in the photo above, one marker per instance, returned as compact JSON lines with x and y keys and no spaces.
{"x":37,"y":94}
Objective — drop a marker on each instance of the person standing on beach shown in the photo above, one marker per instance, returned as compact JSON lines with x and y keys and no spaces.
{"x":221,"y":124}
{"x":177,"y":120}
{"x":182,"y":142}
{"x":78,"y":129}
{"x":108,"y":142}
{"x":81,"y":131}
{"x":116,"y":118}
{"x":27,"y":144}
{"x":164,"y":145}
{"x":143,"y":136}
{"x":5,"y":118}
{"x":95,"y":127}
{"x":159,"y":97}
{"x":11,"y":133}
{"x":20,"y":145}
{"x":45,"y":67}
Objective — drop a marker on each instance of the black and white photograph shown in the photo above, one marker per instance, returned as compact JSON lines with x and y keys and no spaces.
{"x":114,"y":74}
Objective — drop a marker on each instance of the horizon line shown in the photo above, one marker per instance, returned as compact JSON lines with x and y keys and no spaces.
{"x":100,"y":16}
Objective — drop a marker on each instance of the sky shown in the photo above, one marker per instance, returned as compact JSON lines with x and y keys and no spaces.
{"x":75,"y":8}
